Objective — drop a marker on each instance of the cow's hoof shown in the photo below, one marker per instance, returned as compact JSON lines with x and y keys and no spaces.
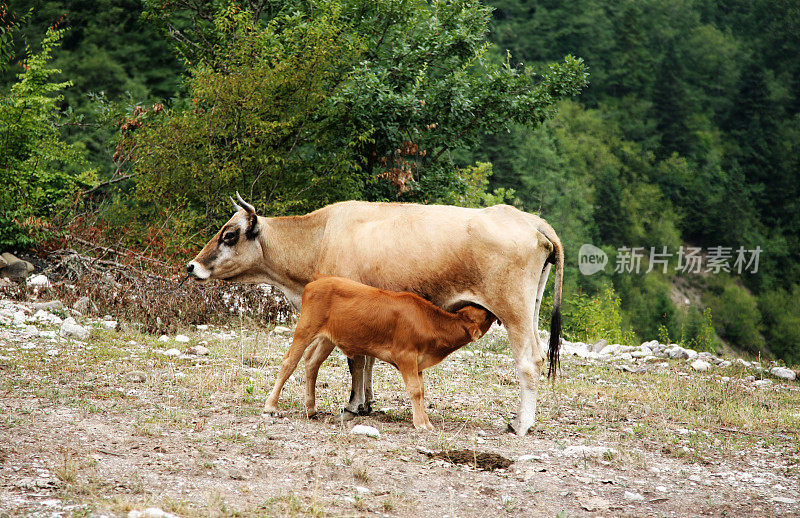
{"x":347,"y":415}
{"x":515,"y":428}
{"x":365,"y":409}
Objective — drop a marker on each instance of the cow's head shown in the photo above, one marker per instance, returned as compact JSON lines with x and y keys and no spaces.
{"x":232,"y":253}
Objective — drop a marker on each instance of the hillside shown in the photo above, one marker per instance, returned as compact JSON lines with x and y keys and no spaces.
{"x":104,"y":420}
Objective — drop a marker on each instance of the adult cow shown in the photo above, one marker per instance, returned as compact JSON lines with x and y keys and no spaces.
{"x":498,"y":258}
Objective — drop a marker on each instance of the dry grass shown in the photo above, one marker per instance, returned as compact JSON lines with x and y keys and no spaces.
{"x":196,"y":403}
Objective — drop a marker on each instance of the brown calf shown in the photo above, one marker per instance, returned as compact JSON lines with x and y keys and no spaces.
{"x":399,"y":328}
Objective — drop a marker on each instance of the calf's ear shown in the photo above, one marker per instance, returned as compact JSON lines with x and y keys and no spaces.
{"x":474,"y":331}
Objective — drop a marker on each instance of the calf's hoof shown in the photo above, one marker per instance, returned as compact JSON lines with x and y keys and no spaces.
{"x":347,"y":415}
{"x":428,"y":427}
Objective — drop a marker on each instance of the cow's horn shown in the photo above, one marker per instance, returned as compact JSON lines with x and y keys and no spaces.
{"x":235,"y":205}
{"x":249,"y":208}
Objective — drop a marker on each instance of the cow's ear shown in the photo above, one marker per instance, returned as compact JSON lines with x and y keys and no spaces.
{"x":252,"y":227}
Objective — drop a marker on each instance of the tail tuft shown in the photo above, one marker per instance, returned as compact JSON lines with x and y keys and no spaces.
{"x":555,"y":341}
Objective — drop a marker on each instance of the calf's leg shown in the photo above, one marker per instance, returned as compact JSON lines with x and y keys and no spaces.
{"x":299,"y":344}
{"x":412,"y":378}
{"x":313,"y":359}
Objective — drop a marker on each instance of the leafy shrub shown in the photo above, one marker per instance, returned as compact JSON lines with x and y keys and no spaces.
{"x":736,"y":316}
{"x":41,"y":175}
{"x":588,"y":318}
{"x":782,"y":322}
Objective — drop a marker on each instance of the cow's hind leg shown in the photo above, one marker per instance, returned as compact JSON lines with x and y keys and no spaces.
{"x":525,"y":347}
{"x":369,"y":397}
{"x":357,"y":397}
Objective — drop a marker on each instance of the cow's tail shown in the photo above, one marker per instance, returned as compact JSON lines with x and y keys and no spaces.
{"x":557,"y":258}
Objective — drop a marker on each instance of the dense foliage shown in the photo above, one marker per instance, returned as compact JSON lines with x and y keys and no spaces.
{"x":40,"y":173}
{"x":687,"y":136}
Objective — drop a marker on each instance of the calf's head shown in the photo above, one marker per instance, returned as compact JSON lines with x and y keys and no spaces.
{"x":233,"y":251}
{"x":478,"y":320}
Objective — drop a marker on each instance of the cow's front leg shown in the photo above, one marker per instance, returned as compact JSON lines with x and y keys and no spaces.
{"x":355,"y":406}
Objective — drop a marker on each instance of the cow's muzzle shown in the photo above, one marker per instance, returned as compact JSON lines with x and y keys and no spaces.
{"x":197,"y":270}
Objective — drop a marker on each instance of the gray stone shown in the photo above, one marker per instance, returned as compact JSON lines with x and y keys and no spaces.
{"x":136,"y":376}
{"x":783,"y":372}
{"x":111,"y":325}
{"x":198,"y":350}
{"x":282,"y":331}
{"x":15,"y":271}
{"x":633,"y":496}
{"x":677,"y":353}
{"x":172,"y":352}
{"x":71,"y":329}
{"x":610,"y":349}
{"x":49,"y":306}
{"x":85,"y":305}
{"x":784,"y":500}
{"x":701,"y":365}
{"x":182,"y":338}
{"x":599,"y":345}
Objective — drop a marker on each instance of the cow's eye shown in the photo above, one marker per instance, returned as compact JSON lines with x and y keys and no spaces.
{"x":229,"y":236}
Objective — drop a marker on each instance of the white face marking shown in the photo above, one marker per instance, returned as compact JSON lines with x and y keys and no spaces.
{"x":199,"y":271}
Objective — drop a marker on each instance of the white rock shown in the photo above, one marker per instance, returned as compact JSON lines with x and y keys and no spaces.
{"x":282,"y":331}
{"x":610,"y":349}
{"x":700,"y":365}
{"x":198,"y":350}
{"x":363,"y":490}
{"x":587,"y":451}
{"x":692,"y":354}
{"x":202,"y":327}
{"x":632,"y":496}
{"x":762,"y":383}
{"x":39,"y":280}
{"x":783,"y":372}
{"x":52,"y":352}
{"x":784,"y":500}
{"x":74,"y":330}
{"x":154,"y":512}
{"x":724,"y":363}
{"x":599,"y":345}
{"x":182,"y":338}
{"x":163,"y":338}
{"x":523,"y":458}
{"x":362,"y":429}
{"x":662,"y":489}
{"x":172,"y":352}
{"x":108,"y":324}
{"x":135,"y":514}
{"x":47,"y":317}
{"x":677,"y":353}
{"x":69,"y":320}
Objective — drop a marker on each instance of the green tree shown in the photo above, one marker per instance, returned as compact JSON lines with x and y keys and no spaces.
{"x":41,"y":173}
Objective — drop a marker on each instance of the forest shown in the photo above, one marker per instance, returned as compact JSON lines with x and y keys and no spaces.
{"x":664,"y":134}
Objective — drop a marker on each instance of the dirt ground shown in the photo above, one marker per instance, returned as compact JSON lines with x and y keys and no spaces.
{"x":110,"y":424}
